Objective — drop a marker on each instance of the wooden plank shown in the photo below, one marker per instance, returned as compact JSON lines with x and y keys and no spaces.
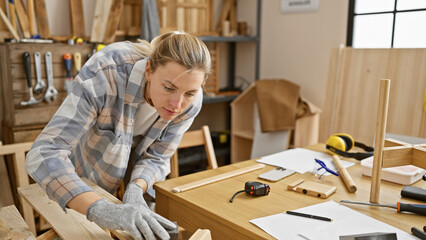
{"x":201,"y":234}
{"x":23,"y":18}
{"x":379,"y":143}
{"x":223,"y":14}
{"x":70,"y":225}
{"x":113,"y":21}
{"x":12,"y":13}
{"x":26,"y":136}
{"x":100,"y":17}
{"x":49,"y":235}
{"x":419,"y":157}
{"x":397,"y":156}
{"x":32,"y":115}
{"x":31,"y":17}
{"x":17,"y":151}
{"x":6,"y":197}
{"x":77,"y":18}
{"x":4,"y":31}
{"x":216,"y":178}
{"x":9,"y":25}
{"x":352,"y":95}
{"x":42,"y":19}
{"x":12,"y":226}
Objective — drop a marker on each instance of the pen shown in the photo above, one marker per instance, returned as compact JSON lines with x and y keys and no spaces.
{"x":309,"y":216}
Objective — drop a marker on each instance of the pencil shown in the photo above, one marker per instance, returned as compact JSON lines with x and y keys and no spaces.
{"x":309,"y":216}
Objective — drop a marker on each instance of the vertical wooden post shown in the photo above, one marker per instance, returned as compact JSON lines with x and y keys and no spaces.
{"x":382,"y":114}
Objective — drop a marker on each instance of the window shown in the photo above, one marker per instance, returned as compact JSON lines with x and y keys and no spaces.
{"x":386,"y":24}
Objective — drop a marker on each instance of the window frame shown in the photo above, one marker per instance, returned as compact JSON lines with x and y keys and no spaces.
{"x":352,"y":15}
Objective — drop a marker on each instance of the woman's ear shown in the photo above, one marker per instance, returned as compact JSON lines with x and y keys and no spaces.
{"x":148,"y":68}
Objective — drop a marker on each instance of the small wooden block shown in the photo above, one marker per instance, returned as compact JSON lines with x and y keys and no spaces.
{"x":312,"y":188}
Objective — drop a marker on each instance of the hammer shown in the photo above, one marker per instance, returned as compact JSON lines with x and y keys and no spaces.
{"x":27,"y":66}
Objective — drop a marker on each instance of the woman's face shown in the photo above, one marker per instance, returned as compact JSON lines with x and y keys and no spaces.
{"x":172,"y":88}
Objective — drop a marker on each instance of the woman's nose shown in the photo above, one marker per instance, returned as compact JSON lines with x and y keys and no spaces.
{"x":176,"y":101}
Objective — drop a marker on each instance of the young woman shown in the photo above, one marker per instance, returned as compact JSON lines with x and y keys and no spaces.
{"x":129,"y":105}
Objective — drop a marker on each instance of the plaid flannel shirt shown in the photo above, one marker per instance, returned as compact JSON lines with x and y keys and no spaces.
{"x":91,"y":134}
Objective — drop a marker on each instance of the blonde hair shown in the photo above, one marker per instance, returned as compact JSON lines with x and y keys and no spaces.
{"x":182,"y":48}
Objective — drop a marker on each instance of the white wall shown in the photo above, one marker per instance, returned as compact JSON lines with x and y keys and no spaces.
{"x":294,"y":46}
{"x":297,"y":46}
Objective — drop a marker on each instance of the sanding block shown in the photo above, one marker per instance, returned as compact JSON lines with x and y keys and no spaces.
{"x":312,"y":188}
{"x":414,"y":193}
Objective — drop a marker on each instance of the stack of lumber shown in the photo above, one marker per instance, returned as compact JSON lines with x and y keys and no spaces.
{"x":191,"y":16}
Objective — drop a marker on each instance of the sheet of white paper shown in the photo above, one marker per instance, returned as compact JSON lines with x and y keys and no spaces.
{"x":345,"y":222}
{"x":301,"y":160}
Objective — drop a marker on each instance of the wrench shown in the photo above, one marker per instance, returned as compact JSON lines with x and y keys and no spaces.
{"x":51,"y":92}
{"x":38,"y":88}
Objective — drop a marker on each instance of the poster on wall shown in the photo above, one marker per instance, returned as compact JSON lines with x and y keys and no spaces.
{"x":295,"y":6}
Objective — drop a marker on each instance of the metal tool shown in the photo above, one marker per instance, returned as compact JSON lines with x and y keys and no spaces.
{"x":51,"y":92}
{"x":27,"y":66}
{"x":40,"y":85}
{"x":68,"y":72}
{"x":400,"y":207}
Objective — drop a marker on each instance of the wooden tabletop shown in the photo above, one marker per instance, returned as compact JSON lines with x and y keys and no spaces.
{"x":208,"y":206}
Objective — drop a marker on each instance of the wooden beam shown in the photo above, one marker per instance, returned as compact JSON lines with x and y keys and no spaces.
{"x":419,"y":157}
{"x":42,"y":19}
{"x":397,"y":156}
{"x":113,"y":21}
{"x":100,"y":17}
{"x":31,"y":17}
{"x":379,"y":143}
{"x":77,"y":18}
{"x":216,"y":178}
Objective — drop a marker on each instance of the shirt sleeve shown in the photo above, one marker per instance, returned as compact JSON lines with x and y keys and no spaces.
{"x":48,"y":162}
{"x":154,"y":164}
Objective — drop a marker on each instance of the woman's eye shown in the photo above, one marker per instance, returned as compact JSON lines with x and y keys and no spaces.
{"x":190,"y":94}
{"x":169,"y":89}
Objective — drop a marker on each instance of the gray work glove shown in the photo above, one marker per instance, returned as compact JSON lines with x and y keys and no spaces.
{"x":134,"y":217}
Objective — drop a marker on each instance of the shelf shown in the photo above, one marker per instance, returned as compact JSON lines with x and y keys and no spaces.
{"x":229,"y":39}
{"x":218,"y":99}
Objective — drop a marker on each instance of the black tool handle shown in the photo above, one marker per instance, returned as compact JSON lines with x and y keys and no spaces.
{"x":416,"y":232}
{"x":414,"y":193}
{"x":26,"y":58}
{"x":414,"y":208}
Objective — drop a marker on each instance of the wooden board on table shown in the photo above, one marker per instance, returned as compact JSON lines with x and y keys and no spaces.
{"x":100,"y":17}
{"x":12,"y":225}
{"x":77,"y":18}
{"x":70,"y":225}
{"x":113,"y":21}
{"x":42,"y":18}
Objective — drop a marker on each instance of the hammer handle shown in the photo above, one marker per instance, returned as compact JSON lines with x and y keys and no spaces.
{"x":27,"y":66}
{"x":350,"y":184}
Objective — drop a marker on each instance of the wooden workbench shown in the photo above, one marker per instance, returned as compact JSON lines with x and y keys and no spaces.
{"x":209,"y":207}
